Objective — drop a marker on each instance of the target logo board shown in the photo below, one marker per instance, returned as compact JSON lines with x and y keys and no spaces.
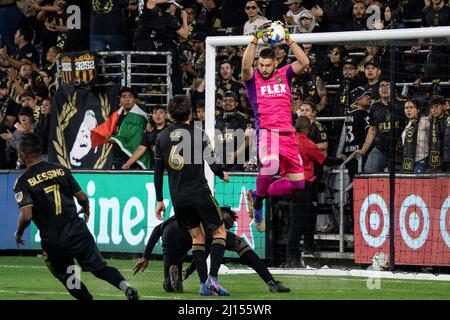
{"x":422,"y":220}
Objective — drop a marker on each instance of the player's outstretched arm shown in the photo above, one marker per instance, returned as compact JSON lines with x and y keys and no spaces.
{"x":24,"y":220}
{"x":249,"y":53}
{"x":142,"y":263}
{"x":210,"y":158}
{"x":300,"y":55}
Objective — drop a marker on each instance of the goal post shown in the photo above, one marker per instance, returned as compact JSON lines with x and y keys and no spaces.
{"x":370,"y":37}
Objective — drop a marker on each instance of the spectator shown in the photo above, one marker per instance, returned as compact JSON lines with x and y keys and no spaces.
{"x":28,"y":99}
{"x":356,"y":125}
{"x":20,"y":82}
{"x":208,"y":20}
{"x":332,"y":72}
{"x":55,"y":31}
{"x":255,"y":19}
{"x":156,"y":124}
{"x":296,"y":104}
{"x":437,"y":14}
{"x":307,"y":22}
{"x":379,"y":134}
{"x":108,"y":25}
{"x":26,"y":51}
{"x":411,"y":12}
{"x":358,"y":21}
{"x":191,"y":19}
{"x":333,"y":14}
{"x":127,"y":101}
{"x":318,"y":132}
{"x":25,"y":125}
{"x":438,"y":116}
{"x":232,"y":125}
{"x":292,"y":17}
{"x":349,"y":81}
{"x":200,"y":113}
{"x":303,"y":216}
{"x":372,"y":73}
{"x":43,"y":124}
{"x":310,"y":86}
{"x":225,"y":82}
{"x":415,"y":139}
{"x":194,"y":70}
{"x":391,"y":18}
{"x":281,"y":51}
{"x":10,"y":20}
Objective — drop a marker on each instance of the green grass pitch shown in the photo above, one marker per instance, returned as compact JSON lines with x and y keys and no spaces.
{"x":27,"y":278}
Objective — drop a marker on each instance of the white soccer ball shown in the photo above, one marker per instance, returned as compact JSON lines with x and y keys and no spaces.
{"x":380,"y":261}
{"x":275,"y":35}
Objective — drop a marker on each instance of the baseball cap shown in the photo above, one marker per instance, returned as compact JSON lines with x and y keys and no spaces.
{"x":350,"y":60}
{"x":305,"y":14}
{"x":26,"y":111}
{"x":230,"y":94}
{"x":199,"y":36}
{"x":358,"y":93}
{"x":373,"y":63}
{"x":292,"y":1}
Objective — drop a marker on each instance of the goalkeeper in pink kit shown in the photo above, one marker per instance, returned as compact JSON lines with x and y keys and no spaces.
{"x":269,"y":93}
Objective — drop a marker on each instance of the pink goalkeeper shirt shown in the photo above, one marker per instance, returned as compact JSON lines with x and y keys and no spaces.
{"x":271,"y":99}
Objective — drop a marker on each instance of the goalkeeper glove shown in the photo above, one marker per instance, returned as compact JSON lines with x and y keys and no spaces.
{"x":287,"y":36}
{"x":261,"y":31}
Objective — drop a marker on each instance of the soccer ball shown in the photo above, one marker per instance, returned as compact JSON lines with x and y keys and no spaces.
{"x":275,"y":35}
{"x":380,"y":261}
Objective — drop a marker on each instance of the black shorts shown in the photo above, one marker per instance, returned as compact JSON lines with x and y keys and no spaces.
{"x":86,"y":254}
{"x":205,"y":211}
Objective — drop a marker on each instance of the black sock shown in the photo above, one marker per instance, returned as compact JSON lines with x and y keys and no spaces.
{"x":199,"y":256}
{"x":249,"y":257}
{"x":113,"y":276}
{"x":258,"y":202}
{"x":217,"y":251}
{"x":76,"y":288}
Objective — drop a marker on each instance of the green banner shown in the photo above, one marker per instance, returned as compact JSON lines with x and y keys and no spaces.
{"x":123,"y":210}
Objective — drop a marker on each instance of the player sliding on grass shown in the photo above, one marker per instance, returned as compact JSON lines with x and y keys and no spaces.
{"x":177,"y":242}
{"x":44,"y":193}
{"x":269,"y":93}
{"x":182,"y":151}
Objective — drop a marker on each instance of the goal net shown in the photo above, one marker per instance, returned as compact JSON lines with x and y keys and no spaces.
{"x":392,"y":199}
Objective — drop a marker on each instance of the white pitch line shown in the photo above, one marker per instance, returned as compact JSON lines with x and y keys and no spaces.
{"x":94,"y":294}
{"x":348,"y":273}
{"x":8,"y":266}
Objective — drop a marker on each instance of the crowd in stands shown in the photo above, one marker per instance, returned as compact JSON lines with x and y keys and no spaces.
{"x":345,"y":79}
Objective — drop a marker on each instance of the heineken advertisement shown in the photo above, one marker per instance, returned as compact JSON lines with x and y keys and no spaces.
{"x":123,"y":210}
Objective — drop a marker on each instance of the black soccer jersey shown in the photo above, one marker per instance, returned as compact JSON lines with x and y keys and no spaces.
{"x":318,"y":133}
{"x":182,"y":150}
{"x":356,"y":126}
{"x":380,"y":116}
{"x":49,"y":189}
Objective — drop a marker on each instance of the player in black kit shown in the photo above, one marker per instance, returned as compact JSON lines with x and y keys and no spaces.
{"x":177,"y":242}
{"x":181,"y":149}
{"x":44,"y":193}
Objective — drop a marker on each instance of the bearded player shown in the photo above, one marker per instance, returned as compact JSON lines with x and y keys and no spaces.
{"x":269,"y":93}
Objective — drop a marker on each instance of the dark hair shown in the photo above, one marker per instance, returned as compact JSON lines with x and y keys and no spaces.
{"x":28,"y":94}
{"x":179,"y":108}
{"x":231,"y":213}
{"x":27,"y":33}
{"x":128,"y":89}
{"x":30,"y":144}
{"x":436,"y":100}
{"x":226,"y":61}
{"x":268,"y":53}
{"x":309,"y":102}
{"x":302,"y":122}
